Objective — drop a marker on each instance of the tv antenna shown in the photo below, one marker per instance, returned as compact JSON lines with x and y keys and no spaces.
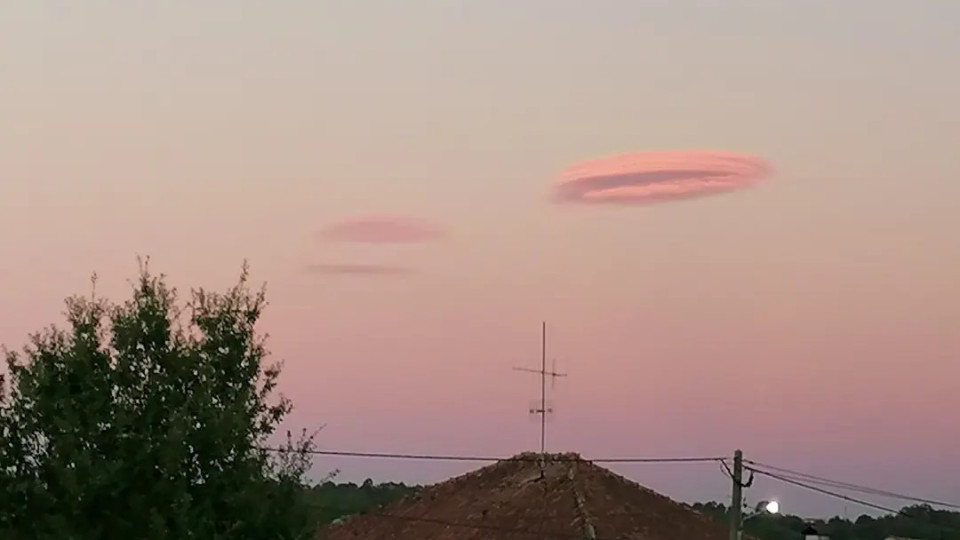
{"x":543,"y":410}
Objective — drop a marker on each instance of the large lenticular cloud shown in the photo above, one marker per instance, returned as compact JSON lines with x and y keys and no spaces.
{"x":647,"y":177}
{"x":382,"y":230}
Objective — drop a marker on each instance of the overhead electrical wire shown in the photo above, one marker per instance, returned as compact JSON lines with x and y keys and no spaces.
{"x":803,"y":480}
{"x":780,"y":473}
{"x":823,"y":491}
{"x":847,"y":486}
{"x":531,"y":458}
{"x":868,"y":504}
{"x":788,"y":476}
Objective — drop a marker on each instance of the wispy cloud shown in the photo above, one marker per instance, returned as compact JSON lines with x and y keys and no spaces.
{"x":382,"y":230}
{"x":647,"y":177}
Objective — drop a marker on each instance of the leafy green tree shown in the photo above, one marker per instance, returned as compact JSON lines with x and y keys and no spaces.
{"x":150,"y":420}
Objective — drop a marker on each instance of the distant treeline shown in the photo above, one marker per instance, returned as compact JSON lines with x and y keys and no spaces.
{"x":921,"y":522}
{"x":336,"y":500}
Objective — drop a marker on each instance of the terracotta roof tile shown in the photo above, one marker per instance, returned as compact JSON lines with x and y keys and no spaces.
{"x":512,"y":499}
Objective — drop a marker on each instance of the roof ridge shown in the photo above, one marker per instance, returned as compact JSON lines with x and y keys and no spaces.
{"x":589,"y":531}
{"x":579,"y":497}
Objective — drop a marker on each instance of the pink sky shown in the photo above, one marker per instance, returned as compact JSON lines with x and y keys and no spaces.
{"x":811,"y":320}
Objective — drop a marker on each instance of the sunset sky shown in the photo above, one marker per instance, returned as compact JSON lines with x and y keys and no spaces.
{"x":811,"y":320}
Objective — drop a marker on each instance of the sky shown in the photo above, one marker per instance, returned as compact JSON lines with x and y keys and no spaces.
{"x":810,"y":320}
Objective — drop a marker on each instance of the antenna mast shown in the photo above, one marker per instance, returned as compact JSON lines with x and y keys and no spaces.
{"x":543,"y":410}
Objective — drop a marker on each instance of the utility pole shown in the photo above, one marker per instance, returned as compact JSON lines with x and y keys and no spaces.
{"x":736,"y":502}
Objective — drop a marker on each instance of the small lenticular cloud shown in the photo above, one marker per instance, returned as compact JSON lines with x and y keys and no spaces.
{"x":647,"y":177}
{"x":382,"y":230}
{"x":357,"y":269}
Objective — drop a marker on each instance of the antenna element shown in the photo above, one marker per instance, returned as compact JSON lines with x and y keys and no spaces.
{"x":543,"y":410}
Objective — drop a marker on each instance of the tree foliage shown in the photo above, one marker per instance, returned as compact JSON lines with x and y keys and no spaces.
{"x":149,"y":419}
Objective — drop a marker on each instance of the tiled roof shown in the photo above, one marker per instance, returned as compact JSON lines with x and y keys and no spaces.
{"x":512,"y":500}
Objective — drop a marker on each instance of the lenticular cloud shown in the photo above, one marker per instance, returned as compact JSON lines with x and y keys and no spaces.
{"x":382,"y":230}
{"x":647,"y":177}
{"x":356,"y":269}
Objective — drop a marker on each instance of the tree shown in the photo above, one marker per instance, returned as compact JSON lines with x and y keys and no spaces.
{"x":150,"y":420}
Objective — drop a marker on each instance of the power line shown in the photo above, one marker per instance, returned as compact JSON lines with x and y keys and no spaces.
{"x":524,"y":458}
{"x":841,"y":496}
{"x":785,"y":475}
{"x":658,"y":460}
{"x":851,"y":487}
{"x":390,"y":455}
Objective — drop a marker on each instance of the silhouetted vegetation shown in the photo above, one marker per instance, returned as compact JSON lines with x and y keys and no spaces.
{"x":921,"y":522}
{"x":149,"y":420}
{"x":331,"y":501}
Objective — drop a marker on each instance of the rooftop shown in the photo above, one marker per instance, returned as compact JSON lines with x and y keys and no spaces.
{"x":562,"y":497}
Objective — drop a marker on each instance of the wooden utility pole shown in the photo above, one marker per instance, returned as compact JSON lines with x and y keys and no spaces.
{"x":736,"y":502}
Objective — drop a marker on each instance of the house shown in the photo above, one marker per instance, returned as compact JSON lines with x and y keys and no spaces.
{"x":810,"y":533}
{"x":532,"y":496}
